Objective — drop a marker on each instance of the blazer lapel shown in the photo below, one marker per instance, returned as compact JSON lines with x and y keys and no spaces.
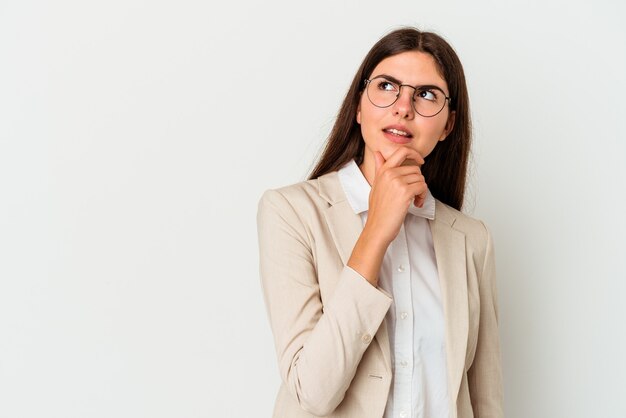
{"x":345,"y":228}
{"x":450,"y":252}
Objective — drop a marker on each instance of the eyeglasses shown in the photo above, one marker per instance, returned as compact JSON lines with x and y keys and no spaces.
{"x":427,"y":101}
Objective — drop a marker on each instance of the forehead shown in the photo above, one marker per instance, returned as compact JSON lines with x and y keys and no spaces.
{"x":411,"y":67}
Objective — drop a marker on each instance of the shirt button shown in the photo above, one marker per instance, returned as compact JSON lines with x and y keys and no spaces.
{"x":400,"y":268}
{"x":404,"y":315}
{"x":402,"y":414}
{"x":366,"y":338}
{"x":404,"y":363}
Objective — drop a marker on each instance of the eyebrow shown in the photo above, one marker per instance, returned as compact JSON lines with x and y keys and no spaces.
{"x":425,"y":86}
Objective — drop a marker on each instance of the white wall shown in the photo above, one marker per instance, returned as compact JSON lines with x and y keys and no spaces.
{"x":136,"y":137}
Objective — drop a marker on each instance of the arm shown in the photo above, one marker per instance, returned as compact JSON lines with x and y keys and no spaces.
{"x":485,"y":375}
{"x":318,"y":346}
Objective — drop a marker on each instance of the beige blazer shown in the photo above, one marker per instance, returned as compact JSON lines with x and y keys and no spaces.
{"x":328,"y":322}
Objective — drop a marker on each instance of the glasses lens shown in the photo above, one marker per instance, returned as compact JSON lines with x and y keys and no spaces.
{"x":428,"y":102}
{"x":382,"y":92}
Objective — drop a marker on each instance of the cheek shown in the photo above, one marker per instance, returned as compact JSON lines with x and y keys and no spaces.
{"x":429,"y":135}
{"x":436,"y":129}
{"x":368,"y":117}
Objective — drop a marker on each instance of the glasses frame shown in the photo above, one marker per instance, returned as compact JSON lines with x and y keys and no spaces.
{"x":415,"y":88}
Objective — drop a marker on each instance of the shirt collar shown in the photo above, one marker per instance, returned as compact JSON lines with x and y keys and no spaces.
{"x":357,"y":191}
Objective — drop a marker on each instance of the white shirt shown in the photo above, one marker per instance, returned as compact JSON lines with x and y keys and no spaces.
{"x":415,"y":319}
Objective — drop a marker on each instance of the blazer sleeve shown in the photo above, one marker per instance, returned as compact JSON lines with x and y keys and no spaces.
{"x":485,"y":374}
{"x":318,"y":346}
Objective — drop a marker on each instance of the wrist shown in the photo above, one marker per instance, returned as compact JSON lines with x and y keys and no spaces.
{"x":374,"y":237}
{"x":367,"y":255}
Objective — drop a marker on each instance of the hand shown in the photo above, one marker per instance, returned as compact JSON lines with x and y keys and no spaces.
{"x":420,"y":198}
{"x":398,"y":181}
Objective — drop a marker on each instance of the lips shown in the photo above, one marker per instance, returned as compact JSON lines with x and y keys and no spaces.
{"x":398,"y":134}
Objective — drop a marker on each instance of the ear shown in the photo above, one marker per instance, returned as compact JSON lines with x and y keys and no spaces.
{"x":449,"y":125}
{"x":358,"y":113}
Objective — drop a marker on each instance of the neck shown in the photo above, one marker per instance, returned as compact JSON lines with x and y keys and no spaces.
{"x":368,"y":167}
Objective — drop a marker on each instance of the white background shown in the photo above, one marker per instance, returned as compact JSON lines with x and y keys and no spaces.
{"x":137,"y":136}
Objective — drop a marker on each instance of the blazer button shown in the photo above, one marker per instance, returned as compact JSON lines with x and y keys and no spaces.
{"x":366,"y":338}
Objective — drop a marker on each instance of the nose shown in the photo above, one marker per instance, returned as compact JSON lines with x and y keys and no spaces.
{"x":403,"y":106}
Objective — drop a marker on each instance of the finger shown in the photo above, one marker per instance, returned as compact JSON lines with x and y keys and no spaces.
{"x":419,"y":201}
{"x":418,"y":190}
{"x":402,"y":154}
{"x":409,"y":161}
{"x":396,"y":174}
{"x":405,"y":170}
{"x":414,"y":178}
{"x":421,"y":197}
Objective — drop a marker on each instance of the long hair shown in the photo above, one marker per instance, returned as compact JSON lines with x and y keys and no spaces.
{"x":445,"y":168}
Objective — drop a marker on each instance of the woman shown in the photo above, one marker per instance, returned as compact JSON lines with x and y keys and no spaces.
{"x":381,"y":294}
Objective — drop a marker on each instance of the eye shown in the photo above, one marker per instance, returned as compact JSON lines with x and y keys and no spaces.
{"x":430,"y":95}
{"x":386,"y":85}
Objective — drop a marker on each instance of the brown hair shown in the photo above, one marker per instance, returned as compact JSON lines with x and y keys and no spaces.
{"x":445,"y":168}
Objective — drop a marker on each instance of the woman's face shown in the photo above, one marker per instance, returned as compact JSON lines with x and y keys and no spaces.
{"x":409,"y":128}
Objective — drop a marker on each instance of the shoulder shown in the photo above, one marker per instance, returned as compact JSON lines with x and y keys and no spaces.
{"x":303,"y":202}
{"x":476,"y":232}
{"x":297,"y":196}
{"x":293,"y":194}
{"x":478,"y":242}
{"x":315,"y":194}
